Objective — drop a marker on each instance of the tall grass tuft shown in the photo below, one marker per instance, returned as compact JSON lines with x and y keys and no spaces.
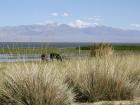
{"x":34,"y":85}
{"x":101,"y":49}
{"x":108,"y":78}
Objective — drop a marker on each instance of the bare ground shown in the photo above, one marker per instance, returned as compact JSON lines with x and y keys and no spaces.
{"x":136,"y":101}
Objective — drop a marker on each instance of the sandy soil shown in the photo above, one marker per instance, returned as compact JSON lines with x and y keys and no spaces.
{"x":135,"y":102}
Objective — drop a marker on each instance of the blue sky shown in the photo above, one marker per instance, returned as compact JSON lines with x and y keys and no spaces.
{"x":116,"y":13}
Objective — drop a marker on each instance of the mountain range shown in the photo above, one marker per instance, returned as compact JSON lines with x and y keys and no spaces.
{"x":65,"y":33}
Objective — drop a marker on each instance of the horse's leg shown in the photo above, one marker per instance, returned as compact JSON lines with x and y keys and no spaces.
{"x":59,"y":58}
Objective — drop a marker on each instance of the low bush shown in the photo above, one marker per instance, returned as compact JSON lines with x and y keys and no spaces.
{"x":34,"y":85}
{"x":101,"y":49}
{"x":108,"y":78}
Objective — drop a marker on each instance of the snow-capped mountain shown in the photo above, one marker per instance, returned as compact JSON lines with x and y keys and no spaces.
{"x":65,"y":33}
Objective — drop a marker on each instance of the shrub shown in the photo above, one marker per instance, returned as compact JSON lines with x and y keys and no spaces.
{"x":103,"y":79}
{"x":101,"y":49}
{"x":34,"y":85}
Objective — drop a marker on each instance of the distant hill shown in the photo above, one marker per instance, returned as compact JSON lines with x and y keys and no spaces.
{"x":66,"y":33}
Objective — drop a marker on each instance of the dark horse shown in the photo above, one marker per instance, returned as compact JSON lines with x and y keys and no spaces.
{"x":52,"y":56}
{"x":55,"y":56}
{"x":44,"y":57}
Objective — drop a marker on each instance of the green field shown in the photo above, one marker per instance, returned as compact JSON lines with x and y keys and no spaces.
{"x":83,"y":50}
{"x":35,"y":50}
{"x":118,"y":47}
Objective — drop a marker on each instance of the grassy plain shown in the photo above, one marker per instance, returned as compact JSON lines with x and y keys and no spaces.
{"x":87,"y":79}
{"x":83,"y":80}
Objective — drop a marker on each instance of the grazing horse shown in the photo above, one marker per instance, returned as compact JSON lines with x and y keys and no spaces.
{"x":55,"y":56}
{"x":52,"y":56}
{"x":44,"y":57}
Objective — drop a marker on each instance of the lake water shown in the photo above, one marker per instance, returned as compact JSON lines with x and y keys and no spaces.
{"x":39,"y":44}
{"x":50,"y":44}
{"x":14,"y":57}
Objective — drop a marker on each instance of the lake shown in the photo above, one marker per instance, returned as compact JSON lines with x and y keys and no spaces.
{"x":14,"y":57}
{"x":51,"y":44}
{"x":40,"y":44}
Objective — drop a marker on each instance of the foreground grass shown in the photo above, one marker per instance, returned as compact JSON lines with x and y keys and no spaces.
{"x":91,"y":79}
{"x":30,"y":84}
{"x":105,"y":78}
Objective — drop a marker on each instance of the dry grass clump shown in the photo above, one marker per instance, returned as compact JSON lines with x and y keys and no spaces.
{"x":108,"y":78}
{"x":101,"y":49}
{"x":92,"y":79}
{"x":33,"y":84}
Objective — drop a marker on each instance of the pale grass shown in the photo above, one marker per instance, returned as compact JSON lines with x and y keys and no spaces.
{"x":101,"y":49}
{"x":91,"y":79}
{"x":107,"y":78}
{"x":33,"y":84}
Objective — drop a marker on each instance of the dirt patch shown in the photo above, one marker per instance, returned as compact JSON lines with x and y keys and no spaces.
{"x":136,"y":101}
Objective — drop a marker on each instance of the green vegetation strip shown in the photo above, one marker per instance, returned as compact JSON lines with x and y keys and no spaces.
{"x":122,"y":47}
{"x":84,"y":50}
{"x":35,"y":50}
{"x":117,"y":47}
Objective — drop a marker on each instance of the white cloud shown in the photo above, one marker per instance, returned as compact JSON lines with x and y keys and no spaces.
{"x":65,"y":14}
{"x":54,"y":14}
{"x":135,"y":26}
{"x":82,"y":24}
{"x":79,"y":24}
{"x":47,"y":22}
{"x":95,"y":18}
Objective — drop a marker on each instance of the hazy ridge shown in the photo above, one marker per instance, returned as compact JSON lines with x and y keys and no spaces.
{"x":66,"y":33}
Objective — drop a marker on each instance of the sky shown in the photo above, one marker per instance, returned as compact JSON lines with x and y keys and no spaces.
{"x":78,"y":13}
